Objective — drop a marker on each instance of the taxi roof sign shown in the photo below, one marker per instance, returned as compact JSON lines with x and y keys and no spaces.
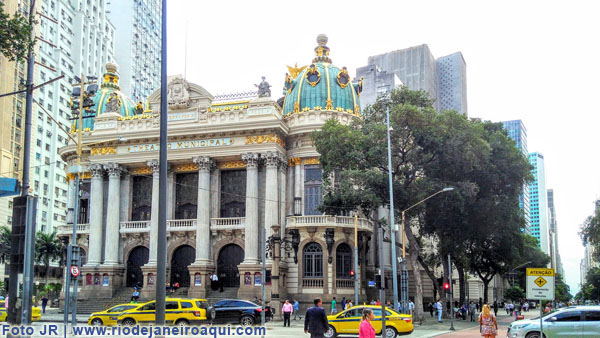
{"x":540,"y":272}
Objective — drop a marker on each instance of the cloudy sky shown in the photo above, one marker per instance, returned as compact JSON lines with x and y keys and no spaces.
{"x":538,"y":61}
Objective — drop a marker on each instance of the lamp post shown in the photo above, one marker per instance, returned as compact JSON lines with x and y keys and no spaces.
{"x":393,"y":227}
{"x":403,"y":234}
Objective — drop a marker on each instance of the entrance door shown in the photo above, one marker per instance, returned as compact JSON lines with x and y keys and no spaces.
{"x":227,"y":266}
{"x":182,"y":258}
{"x":138,"y":257}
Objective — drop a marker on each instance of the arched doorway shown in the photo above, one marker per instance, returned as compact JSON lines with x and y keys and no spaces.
{"x":182,"y":258}
{"x":230,"y":257}
{"x":138,"y":257}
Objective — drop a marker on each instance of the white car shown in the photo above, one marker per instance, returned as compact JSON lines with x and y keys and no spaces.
{"x":573,"y":321}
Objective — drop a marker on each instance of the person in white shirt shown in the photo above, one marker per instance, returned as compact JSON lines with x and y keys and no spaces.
{"x":214,"y":281}
{"x":438,"y":307}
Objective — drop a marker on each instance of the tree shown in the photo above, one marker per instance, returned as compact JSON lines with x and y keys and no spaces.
{"x":590,"y":231}
{"x":15,"y":35}
{"x":562,"y":292}
{"x":514,"y":293}
{"x":47,"y":248}
{"x":591,"y":288}
{"x":5,"y":239}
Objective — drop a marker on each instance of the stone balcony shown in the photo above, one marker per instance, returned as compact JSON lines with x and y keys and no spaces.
{"x":68,"y":229}
{"x":228,"y":223}
{"x":325,"y":221}
{"x":172,"y":225}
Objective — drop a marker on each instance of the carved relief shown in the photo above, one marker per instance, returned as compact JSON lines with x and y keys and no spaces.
{"x":313,"y":160}
{"x":252,"y":160}
{"x":141,"y":171}
{"x":97,"y":170}
{"x":113,"y":104}
{"x":204,"y":163}
{"x":231,"y":165}
{"x":113,"y":169}
{"x":103,"y":151}
{"x":270,"y":138}
{"x":178,"y":95}
{"x":188,"y":167}
{"x":294,"y":161}
{"x":272,"y":158}
{"x":154,"y":165}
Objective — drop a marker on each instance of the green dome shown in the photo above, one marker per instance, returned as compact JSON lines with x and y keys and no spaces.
{"x":320,"y":86}
{"x":109,"y":90}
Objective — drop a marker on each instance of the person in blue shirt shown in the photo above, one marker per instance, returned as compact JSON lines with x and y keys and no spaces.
{"x":296,"y":309}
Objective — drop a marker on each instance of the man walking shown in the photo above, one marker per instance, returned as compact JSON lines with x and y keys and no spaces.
{"x":333,"y":309}
{"x":472,"y":311}
{"x":44,"y":303}
{"x":438,"y":307}
{"x":287,"y":310}
{"x":496,"y":308}
{"x":296,"y":308}
{"x":411,"y":307}
{"x":315,"y":321}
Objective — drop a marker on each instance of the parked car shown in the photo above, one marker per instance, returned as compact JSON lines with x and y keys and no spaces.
{"x":236,"y":311}
{"x":109,"y":316}
{"x":178,"y":311}
{"x":36,"y":313}
{"x":348,"y":322}
{"x":572,"y":321}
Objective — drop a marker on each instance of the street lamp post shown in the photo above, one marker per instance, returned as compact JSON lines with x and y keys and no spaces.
{"x":403,"y":234}
{"x":393,"y":227}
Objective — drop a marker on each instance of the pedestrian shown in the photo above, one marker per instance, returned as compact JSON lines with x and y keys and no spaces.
{"x":477,"y":307}
{"x":343,"y":303}
{"x":44,"y":303}
{"x":507,"y":308}
{"x":430,"y":307}
{"x":488,"y":326}
{"x":472,"y":311}
{"x":315,"y":321}
{"x":378,"y":302}
{"x":373,"y":302}
{"x":287,"y":310}
{"x":411,"y":307}
{"x":296,"y":308}
{"x":388,"y":304}
{"x":214,"y":281}
{"x":366,"y":329}
{"x":135,"y":295}
{"x":349,"y":304}
{"x":333,"y":309}
{"x":496,"y":308}
{"x":526,"y":307}
{"x":438,"y":307}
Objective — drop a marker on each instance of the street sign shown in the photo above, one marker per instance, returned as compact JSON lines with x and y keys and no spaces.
{"x":540,"y":283}
{"x":74,"y":271}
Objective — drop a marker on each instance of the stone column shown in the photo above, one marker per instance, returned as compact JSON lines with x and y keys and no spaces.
{"x":251,"y":232}
{"x":282,"y":192}
{"x":171,"y":189}
{"x":125,"y":209}
{"x":113,"y":214}
{"x":215,"y":195}
{"x":71,"y":201}
{"x":96,"y":215}
{"x":271,"y":192}
{"x":289,"y":206}
{"x":205,"y":165}
{"x":154,"y":213}
{"x":298,"y":187}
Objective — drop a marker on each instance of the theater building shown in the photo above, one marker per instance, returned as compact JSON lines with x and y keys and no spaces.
{"x":238,"y":164}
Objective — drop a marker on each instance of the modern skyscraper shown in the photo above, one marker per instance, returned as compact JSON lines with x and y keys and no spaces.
{"x":553,"y":230}
{"x":539,"y":202}
{"x":137,"y":50}
{"x":375,"y":83}
{"x":517,"y":132}
{"x":445,"y":79}
{"x":84,"y":40}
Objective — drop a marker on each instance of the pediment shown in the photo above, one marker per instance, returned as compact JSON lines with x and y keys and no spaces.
{"x":182,"y":95}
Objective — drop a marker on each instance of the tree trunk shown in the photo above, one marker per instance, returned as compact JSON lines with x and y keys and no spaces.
{"x":47,"y":270}
{"x":413,"y":251}
{"x":434,"y":281}
{"x":461,"y":283}
{"x":486,"y":283}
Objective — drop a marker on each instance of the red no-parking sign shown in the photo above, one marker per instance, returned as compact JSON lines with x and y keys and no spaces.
{"x":75,"y":271}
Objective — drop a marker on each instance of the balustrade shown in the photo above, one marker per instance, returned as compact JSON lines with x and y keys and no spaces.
{"x":312,"y":283}
{"x":344,"y":283}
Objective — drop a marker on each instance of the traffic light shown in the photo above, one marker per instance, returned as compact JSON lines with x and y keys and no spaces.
{"x":352,"y":274}
{"x":447,"y":286}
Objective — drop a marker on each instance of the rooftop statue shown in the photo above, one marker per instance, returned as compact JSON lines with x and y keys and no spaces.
{"x":264,"y":88}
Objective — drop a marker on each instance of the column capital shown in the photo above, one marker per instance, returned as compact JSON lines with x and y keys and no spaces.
{"x":154,"y":165}
{"x":204,"y":163}
{"x":272,"y":159}
{"x":252,"y":160}
{"x":113,"y":169}
{"x":97,"y":170}
{"x":283,"y":164}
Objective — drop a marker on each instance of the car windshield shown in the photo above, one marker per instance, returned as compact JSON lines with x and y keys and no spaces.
{"x":546,"y":315}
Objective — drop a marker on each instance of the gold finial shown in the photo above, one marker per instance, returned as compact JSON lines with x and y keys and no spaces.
{"x":322,"y":51}
{"x":322,"y":39}
{"x":111,"y":67}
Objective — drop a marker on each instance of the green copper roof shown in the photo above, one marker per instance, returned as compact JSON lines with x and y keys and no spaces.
{"x":321,"y":86}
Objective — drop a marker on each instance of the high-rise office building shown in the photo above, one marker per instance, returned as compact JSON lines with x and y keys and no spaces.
{"x":445,"y":79}
{"x":137,"y":49}
{"x":84,"y":40}
{"x":556,"y":262}
{"x":517,"y":132}
{"x":538,"y":199}
{"x":376,"y":82}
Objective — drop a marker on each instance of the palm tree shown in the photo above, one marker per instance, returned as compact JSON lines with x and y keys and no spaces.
{"x":47,"y":248}
{"x":5,"y":238}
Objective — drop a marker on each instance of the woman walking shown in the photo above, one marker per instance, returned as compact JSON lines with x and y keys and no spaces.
{"x":366,"y":329}
{"x":488,"y":326}
{"x":287,"y":310}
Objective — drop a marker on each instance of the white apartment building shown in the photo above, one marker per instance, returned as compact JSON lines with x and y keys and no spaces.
{"x":137,"y":45}
{"x":84,"y":41}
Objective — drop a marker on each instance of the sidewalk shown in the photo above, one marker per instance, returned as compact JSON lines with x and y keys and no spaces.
{"x":52,"y":316}
{"x":503,"y":319}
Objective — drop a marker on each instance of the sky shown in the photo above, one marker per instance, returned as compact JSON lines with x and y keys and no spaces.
{"x":538,"y":61}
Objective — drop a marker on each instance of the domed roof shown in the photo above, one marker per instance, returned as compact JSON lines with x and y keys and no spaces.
{"x":320,"y":86}
{"x":109,"y":99}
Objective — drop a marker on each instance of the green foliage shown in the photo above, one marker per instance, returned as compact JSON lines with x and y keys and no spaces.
{"x":15,"y":35}
{"x":562,"y":292}
{"x":515,"y":293}
{"x":591,"y":289}
{"x":590,"y":231}
{"x":47,"y":248}
{"x":5,"y":236}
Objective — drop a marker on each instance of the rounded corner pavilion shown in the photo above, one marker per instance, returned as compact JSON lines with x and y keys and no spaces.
{"x":237,"y":164}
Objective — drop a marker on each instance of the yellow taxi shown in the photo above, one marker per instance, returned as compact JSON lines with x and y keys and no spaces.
{"x":36,"y":313}
{"x":109,"y":316}
{"x":348,"y":322}
{"x":178,"y":311}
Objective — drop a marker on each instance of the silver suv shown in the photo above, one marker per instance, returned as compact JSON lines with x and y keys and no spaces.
{"x":572,"y":321}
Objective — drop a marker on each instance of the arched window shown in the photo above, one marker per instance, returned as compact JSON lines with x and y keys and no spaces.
{"x":313,"y":261}
{"x":343,"y":261}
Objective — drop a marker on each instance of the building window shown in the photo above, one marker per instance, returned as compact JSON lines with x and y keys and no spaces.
{"x":343,"y":261}
{"x":312,"y":190}
{"x":313,"y":261}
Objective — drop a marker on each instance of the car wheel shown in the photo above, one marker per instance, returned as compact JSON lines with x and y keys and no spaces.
{"x":534,"y":335}
{"x":211,"y":313}
{"x":390,"y":332}
{"x":246,"y":321}
{"x":330,"y":333}
{"x":182,"y":322}
{"x":97,"y":322}
{"x":128,"y":322}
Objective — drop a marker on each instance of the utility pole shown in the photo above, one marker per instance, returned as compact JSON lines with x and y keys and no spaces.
{"x":393,"y":227}
{"x":382,"y":277}
{"x":451,"y":294}
{"x":355,"y":260}
{"x":161,"y":247}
